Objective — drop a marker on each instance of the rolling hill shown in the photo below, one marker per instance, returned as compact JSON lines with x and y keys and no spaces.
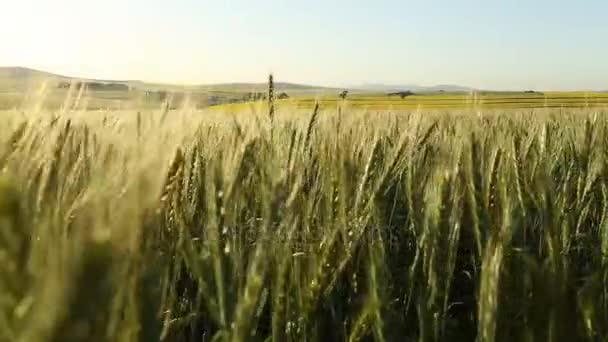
{"x":20,"y":76}
{"x":378,"y":87}
{"x":20,"y":73}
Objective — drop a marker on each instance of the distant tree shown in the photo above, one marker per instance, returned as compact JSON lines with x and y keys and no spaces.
{"x":405,"y":94}
{"x":402,"y":94}
{"x":213,"y":100}
{"x":283,"y":96}
{"x":162,"y":95}
{"x":343,"y":94}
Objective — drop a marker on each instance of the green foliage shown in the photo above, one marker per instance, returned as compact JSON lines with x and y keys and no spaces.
{"x":325,"y":226}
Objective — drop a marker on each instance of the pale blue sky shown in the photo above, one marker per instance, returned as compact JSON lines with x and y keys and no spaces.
{"x":509,"y":44}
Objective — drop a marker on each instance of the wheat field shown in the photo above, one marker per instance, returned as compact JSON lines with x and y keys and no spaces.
{"x":313,"y":225}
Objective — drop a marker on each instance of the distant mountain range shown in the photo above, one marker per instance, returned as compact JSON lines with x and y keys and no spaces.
{"x":411,"y":87}
{"x":263,"y":87}
{"x":23,"y":75}
{"x":28,"y":73}
{"x":19,"y":77}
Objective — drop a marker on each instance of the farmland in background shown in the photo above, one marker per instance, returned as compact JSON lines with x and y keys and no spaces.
{"x":20,"y":86}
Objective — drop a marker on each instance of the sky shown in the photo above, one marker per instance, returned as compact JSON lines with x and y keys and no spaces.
{"x":491,"y":44}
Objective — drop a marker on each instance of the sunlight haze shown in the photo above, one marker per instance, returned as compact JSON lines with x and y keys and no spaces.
{"x":483,"y":44}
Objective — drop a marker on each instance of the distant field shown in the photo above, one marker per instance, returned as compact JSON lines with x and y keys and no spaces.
{"x":20,"y":87}
{"x":237,"y":100}
{"x":451,"y":101}
{"x":136,"y":99}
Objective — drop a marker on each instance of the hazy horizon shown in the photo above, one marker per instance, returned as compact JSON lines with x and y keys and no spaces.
{"x":484,"y":45}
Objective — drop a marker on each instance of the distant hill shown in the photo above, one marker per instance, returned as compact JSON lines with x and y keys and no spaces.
{"x":20,"y":73}
{"x":18,"y":79}
{"x":290,"y":88}
{"x":20,"y":76}
{"x":411,"y":87}
{"x":104,"y":93}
